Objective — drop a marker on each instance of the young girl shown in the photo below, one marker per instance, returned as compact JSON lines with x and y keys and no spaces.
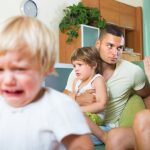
{"x":33,"y":117}
{"x":87,"y":66}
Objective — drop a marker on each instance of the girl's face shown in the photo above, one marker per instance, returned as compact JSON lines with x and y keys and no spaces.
{"x":83,"y":70}
{"x":20,"y":78}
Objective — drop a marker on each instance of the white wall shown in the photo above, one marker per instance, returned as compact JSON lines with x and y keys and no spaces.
{"x":132,"y":2}
{"x":50,"y":11}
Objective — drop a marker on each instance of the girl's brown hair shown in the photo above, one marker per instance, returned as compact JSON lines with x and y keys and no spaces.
{"x":89,"y":55}
{"x":23,"y":31}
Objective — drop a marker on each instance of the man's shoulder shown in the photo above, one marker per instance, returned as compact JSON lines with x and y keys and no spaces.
{"x":128,"y":64}
{"x":124,"y":62}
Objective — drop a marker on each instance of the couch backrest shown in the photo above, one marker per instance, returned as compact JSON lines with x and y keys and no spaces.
{"x":59,"y":82}
{"x":139,"y":63}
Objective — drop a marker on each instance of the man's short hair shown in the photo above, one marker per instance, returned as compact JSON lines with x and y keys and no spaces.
{"x":111,"y":29}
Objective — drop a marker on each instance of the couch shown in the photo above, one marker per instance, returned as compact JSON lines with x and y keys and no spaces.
{"x":58,"y":82}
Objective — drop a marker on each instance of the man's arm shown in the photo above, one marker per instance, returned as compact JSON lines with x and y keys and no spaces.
{"x":86,"y":98}
{"x":96,"y":130}
{"x":145,"y":94}
{"x":83,"y":99}
{"x":146,"y":89}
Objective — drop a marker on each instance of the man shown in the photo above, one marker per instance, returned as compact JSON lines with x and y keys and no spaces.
{"x":122,"y":78}
{"x":141,"y":125}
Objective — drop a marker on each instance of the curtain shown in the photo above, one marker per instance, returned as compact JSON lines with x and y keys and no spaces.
{"x":146,"y":27}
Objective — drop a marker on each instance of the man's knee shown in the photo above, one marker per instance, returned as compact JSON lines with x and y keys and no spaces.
{"x":113,"y":137}
{"x":120,"y":139}
{"x":142,"y":120}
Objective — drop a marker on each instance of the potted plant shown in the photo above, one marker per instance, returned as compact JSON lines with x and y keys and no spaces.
{"x":79,"y":14}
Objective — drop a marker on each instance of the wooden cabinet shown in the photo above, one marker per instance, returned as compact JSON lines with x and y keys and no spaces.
{"x":66,"y":49}
{"x":92,"y":3}
{"x":127,"y":16}
{"x":118,"y":13}
{"x":138,"y":34}
{"x":109,"y":9}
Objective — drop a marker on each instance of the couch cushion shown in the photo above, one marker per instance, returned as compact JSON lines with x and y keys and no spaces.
{"x":134,"y":105}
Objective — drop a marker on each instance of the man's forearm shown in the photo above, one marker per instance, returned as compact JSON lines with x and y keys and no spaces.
{"x":147,"y":102}
{"x":85,"y":99}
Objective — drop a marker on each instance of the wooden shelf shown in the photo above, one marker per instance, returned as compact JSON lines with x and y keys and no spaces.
{"x":131,"y":56}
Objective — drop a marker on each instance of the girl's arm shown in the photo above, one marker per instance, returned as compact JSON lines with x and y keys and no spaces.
{"x":101,"y":97}
{"x":72,"y":94}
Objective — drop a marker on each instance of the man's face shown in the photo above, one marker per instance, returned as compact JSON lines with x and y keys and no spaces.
{"x":110,"y":48}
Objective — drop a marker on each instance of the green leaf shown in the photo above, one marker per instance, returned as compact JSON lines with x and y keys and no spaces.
{"x":77,"y":14}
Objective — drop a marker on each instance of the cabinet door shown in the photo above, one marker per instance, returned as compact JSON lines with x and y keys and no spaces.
{"x":109,"y":10}
{"x":138,"y":46}
{"x":65,"y":50}
{"x":91,"y":3}
{"x":127,"y":16}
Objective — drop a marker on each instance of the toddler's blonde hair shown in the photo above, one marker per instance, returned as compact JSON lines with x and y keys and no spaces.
{"x":22,"y":33}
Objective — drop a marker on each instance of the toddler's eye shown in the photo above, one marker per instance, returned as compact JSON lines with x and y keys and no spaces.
{"x":1,"y":69}
{"x":18,"y":69}
{"x":21,"y":69}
